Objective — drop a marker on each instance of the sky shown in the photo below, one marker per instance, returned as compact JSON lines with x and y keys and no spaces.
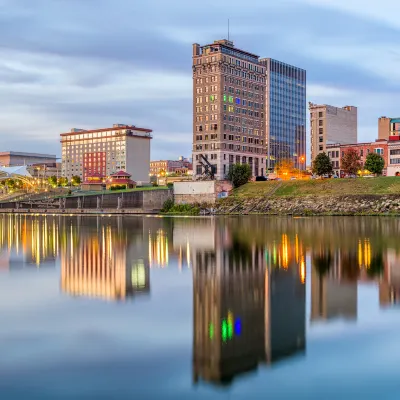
{"x":92,"y":63}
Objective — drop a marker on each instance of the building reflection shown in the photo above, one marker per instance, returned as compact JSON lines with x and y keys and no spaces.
{"x":103,"y":263}
{"x":389,"y":287}
{"x":247,"y":310}
{"x":333,"y":294}
{"x":27,"y":241}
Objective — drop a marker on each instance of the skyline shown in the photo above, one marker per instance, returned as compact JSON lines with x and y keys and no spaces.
{"x":68,"y":64}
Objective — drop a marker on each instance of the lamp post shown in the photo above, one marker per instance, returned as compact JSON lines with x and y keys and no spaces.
{"x":302,"y":160}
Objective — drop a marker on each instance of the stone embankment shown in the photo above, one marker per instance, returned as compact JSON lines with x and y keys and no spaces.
{"x":312,"y":205}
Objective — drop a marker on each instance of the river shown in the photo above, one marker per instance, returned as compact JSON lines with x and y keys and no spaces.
{"x":250,"y":307}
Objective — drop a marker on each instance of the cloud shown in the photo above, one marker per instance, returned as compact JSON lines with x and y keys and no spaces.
{"x":73,"y":63}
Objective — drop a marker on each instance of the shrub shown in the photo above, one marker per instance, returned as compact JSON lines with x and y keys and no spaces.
{"x":239,"y":174}
{"x":170,"y":185}
{"x":167,"y":206}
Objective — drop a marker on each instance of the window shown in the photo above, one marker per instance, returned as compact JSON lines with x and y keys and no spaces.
{"x":320,"y":114}
{"x":362,"y":153}
{"x":379,"y":151}
{"x":225,"y":97}
{"x":321,"y":148}
{"x":321,"y":131}
{"x":320,"y":122}
{"x":321,"y":139}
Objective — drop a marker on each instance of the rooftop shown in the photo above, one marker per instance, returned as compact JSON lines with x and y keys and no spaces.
{"x":23,"y":154}
{"x":115,"y":127}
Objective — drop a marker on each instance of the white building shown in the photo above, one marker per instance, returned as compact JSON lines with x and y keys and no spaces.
{"x":106,"y":151}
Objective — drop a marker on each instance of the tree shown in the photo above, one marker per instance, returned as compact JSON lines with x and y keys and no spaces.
{"x":351,"y":162}
{"x":322,"y":165}
{"x":76,"y":180}
{"x":10,"y":183}
{"x":284,"y":167}
{"x":63,"y":181}
{"x":374,"y":163}
{"x":52,"y":181}
{"x":239,"y":174}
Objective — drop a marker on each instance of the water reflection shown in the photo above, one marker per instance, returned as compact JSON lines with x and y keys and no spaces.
{"x":249,"y":275}
{"x":240,"y":295}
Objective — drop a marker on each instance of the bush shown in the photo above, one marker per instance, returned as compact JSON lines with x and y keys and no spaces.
{"x":239,"y":174}
{"x":261,"y":178}
{"x":167,"y":206}
{"x":118,"y":187}
{"x":180,"y":209}
{"x":155,"y":184}
{"x":170,"y":185}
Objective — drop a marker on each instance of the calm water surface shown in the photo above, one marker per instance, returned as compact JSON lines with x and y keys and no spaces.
{"x":182,"y":308}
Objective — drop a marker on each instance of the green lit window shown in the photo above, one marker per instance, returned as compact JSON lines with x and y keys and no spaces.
{"x":224,"y":97}
{"x":212,"y":97}
{"x":230,"y":99}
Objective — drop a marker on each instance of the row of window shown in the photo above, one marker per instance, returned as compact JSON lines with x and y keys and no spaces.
{"x":210,"y":79}
{"x":230,"y":60}
{"x":229,"y":146}
{"x":211,"y":107}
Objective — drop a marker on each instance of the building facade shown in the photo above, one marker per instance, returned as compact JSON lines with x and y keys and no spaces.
{"x":106,"y":151}
{"x":16,"y":158}
{"x":181,"y":166}
{"x":337,"y":151}
{"x":286,"y":112}
{"x":228,"y":109}
{"x":331,"y":125}
{"x":388,"y":128}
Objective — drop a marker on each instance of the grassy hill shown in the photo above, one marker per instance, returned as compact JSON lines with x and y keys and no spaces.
{"x":328,"y":187}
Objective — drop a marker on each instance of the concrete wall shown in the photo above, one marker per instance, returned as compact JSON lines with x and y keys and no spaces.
{"x":138,"y":158}
{"x":199,"y":191}
{"x":146,"y":200}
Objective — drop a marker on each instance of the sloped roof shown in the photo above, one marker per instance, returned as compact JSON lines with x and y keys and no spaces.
{"x":10,"y":172}
{"x":120,"y":174}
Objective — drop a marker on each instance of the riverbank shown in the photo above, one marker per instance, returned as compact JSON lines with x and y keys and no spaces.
{"x":74,"y":211}
{"x":364,"y":196}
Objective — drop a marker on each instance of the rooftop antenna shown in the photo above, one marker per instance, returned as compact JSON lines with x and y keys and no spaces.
{"x":228,"y":29}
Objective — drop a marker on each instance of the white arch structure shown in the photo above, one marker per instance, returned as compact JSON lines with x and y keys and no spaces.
{"x":19,"y":172}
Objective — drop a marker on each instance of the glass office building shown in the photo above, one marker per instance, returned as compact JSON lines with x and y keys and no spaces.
{"x":285,"y":113}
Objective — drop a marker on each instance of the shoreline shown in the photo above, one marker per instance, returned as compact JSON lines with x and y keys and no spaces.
{"x":74,"y":211}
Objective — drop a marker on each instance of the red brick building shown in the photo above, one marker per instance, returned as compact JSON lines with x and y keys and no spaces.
{"x":336,"y":152}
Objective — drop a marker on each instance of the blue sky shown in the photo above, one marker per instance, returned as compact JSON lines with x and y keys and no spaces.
{"x":92,"y":63}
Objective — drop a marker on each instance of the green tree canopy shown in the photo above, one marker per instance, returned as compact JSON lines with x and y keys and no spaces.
{"x":52,"y":181}
{"x":239,"y":174}
{"x":374,"y":163}
{"x":76,"y":180}
{"x":322,"y":165}
{"x":351,"y":162}
{"x":63,"y":181}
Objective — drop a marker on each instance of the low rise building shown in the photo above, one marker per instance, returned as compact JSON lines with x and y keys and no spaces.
{"x":337,"y":151}
{"x":106,"y":151}
{"x":181,"y":167}
{"x":17,"y":158}
{"x":393,"y":167}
